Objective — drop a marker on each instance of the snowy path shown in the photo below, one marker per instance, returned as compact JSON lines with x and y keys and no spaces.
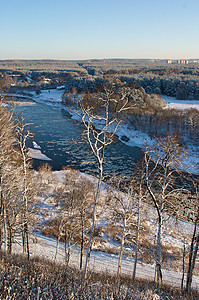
{"x":102,"y":261}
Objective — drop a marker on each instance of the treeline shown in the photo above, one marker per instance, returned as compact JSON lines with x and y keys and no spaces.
{"x":180,"y":81}
{"x":51,"y":66}
{"x":181,"y":87}
{"x":158,"y":122}
{"x":176,"y":85}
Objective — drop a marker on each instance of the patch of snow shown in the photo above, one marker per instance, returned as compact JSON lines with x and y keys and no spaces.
{"x":36,"y":146}
{"x":37,"y":154}
{"x":180,"y":104}
{"x":62,"y":87}
{"x":53,"y":95}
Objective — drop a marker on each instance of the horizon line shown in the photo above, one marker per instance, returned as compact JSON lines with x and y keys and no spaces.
{"x":86,"y":59}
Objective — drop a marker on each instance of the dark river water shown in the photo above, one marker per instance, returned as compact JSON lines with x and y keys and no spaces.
{"x":60,"y":138}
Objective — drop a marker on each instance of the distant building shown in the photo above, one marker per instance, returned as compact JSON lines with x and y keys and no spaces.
{"x":178,"y":61}
{"x":183,"y":61}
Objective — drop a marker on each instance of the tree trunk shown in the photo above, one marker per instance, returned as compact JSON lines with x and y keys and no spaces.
{"x":58,"y":238}
{"x":27,"y":240}
{"x":121,"y":247}
{"x":67,"y":254}
{"x":183,"y":266}
{"x":191,"y":257}
{"x":82,"y":245}
{"x":93,"y":221}
{"x":23,"y":238}
{"x":10,"y":240}
{"x":5,"y":228}
{"x":158,"y":271}
{"x":25,"y":234}
{"x":137,"y":238}
{"x":1,"y":219}
{"x":10,"y":236}
{"x":194,"y":258}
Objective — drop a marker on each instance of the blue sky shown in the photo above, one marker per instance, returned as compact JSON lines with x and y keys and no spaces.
{"x":87,"y":29}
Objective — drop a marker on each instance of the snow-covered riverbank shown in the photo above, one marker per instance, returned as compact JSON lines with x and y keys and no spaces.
{"x":125,"y":132}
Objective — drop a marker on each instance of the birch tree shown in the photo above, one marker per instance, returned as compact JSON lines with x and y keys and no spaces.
{"x":195,"y":236}
{"x":85,"y":195}
{"x":12,"y":183}
{"x":138,"y":181}
{"x":67,"y":211}
{"x":22,"y":135}
{"x":122,"y":206}
{"x":162,"y":167}
{"x":101,"y":127}
{"x":7,"y":173}
{"x":74,"y":201}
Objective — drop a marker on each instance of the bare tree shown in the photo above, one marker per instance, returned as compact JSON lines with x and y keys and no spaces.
{"x":9,"y":208}
{"x":13,"y":164}
{"x":137,"y":182}
{"x":74,"y":201}
{"x":66,"y":201}
{"x":122,"y":206}
{"x":195,"y":236}
{"x":12,"y":206}
{"x":162,"y":167}
{"x":84,"y":201}
{"x":100,"y":130}
{"x":183,"y":263}
{"x":22,"y":135}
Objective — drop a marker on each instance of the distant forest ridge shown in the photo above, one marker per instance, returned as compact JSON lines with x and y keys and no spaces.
{"x":176,"y":78}
{"x":104,"y":64}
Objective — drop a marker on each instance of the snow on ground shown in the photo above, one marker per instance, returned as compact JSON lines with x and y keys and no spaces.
{"x":102,"y":261}
{"x":180,"y":104}
{"x":44,"y":246}
{"x":51,"y":96}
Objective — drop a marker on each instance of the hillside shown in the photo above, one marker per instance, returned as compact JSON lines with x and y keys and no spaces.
{"x":107,"y":237}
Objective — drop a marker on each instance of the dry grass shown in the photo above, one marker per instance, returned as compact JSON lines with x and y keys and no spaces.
{"x":40,"y":279}
{"x":114,"y":231}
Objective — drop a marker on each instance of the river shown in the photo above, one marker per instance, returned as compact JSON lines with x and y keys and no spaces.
{"x":60,"y":138}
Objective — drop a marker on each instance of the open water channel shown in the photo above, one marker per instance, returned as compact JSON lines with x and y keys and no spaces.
{"x":60,"y":138}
